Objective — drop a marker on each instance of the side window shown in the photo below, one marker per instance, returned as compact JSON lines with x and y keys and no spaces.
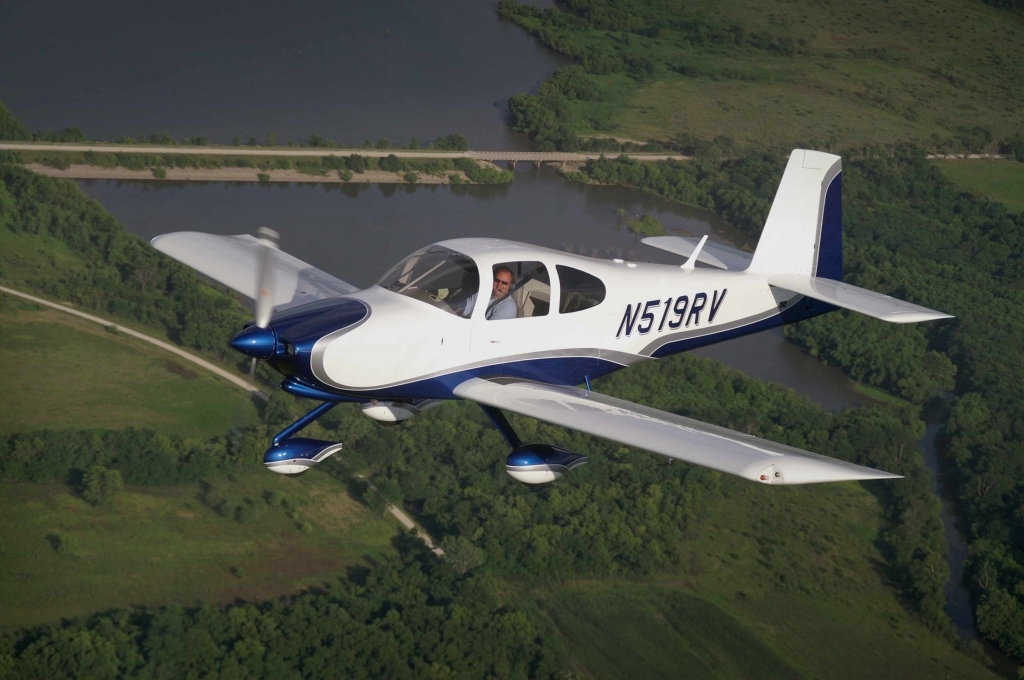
{"x":518,"y":290}
{"x":580,"y":290}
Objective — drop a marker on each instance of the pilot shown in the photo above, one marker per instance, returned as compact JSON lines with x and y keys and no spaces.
{"x":501,"y":306}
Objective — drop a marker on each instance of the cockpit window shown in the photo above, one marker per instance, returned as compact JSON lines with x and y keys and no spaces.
{"x":580,"y":290}
{"x":438,"y":276}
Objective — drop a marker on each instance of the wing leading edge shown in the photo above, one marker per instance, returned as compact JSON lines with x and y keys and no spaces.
{"x":235,"y":261}
{"x":675,"y":436}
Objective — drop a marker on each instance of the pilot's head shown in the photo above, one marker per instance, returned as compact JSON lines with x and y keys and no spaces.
{"x":503,"y":280}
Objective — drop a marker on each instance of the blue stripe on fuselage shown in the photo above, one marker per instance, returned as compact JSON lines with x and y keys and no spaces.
{"x":804,"y":309}
{"x":573,"y":370}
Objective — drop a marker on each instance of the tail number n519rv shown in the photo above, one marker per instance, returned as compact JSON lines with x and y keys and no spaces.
{"x":679,"y":309}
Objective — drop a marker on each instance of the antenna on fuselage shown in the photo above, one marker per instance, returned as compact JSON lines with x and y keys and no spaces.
{"x":690,"y":263}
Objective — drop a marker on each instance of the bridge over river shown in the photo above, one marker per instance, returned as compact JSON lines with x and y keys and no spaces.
{"x":292,"y":152}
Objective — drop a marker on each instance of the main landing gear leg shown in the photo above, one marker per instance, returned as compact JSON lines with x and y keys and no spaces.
{"x":501,"y":424}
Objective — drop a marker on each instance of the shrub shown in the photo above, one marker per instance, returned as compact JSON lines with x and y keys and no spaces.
{"x":159,"y":172}
{"x":64,"y":545}
{"x":58,"y":162}
{"x":263,"y":177}
{"x":100,"y":486}
{"x":452,"y":142}
{"x":411,"y":177}
{"x":390,"y":163}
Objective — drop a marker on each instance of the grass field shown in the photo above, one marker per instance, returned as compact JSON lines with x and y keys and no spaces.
{"x":776,"y":583}
{"x":165,"y":546}
{"x":873,"y":72}
{"x":1001,"y":180}
{"x":71,"y":373}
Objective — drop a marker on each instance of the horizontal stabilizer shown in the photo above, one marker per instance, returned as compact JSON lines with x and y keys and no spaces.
{"x":712,"y":254}
{"x":856,"y":299}
{"x":682,"y":438}
{"x":235,"y":262}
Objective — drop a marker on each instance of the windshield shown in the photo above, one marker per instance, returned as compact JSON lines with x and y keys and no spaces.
{"x":438,"y":276}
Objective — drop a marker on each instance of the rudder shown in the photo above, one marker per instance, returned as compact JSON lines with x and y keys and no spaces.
{"x":803,"y":234}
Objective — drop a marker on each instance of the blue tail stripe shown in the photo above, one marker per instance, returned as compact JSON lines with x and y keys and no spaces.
{"x":830,"y":244}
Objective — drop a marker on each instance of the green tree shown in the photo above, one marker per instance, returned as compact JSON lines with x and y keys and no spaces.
{"x":452,"y":142}
{"x":64,"y":545}
{"x":11,"y":128}
{"x":461,"y":554}
{"x":383,"y":143}
{"x":270,"y":141}
{"x":100,"y":486}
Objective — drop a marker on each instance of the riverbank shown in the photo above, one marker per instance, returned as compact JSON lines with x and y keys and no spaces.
{"x":240,"y":175}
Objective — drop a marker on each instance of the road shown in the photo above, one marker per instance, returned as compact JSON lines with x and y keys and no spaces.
{"x":406,"y":521}
{"x":233,"y":379}
{"x":525,"y":156}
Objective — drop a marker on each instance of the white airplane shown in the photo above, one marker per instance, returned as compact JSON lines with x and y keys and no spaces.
{"x":435,"y":327}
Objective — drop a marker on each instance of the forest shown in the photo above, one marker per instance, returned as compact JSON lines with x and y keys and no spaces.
{"x":409,"y":617}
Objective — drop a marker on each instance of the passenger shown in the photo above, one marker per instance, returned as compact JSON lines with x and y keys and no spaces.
{"x":501,"y":306}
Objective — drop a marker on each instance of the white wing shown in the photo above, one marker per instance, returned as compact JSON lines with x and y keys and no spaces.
{"x":686,"y":439}
{"x":235,"y":261}
{"x":856,"y":299}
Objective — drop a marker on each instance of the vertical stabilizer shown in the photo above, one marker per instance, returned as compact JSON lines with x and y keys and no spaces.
{"x":804,"y":231}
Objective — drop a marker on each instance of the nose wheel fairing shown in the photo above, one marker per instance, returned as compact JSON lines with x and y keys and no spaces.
{"x":295,"y":455}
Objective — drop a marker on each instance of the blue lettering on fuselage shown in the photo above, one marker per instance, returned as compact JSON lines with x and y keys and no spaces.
{"x":641,"y":317}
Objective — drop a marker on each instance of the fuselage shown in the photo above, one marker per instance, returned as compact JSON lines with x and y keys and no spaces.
{"x":578,"y":318}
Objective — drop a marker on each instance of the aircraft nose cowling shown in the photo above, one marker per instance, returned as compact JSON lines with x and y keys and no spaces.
{"x":302,"y":327}
{"x":256,"y":342}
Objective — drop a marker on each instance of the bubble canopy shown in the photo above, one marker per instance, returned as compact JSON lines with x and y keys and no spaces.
{"x":438,"y":276}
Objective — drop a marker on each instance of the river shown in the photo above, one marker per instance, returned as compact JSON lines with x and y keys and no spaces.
{"x":344,"y":70}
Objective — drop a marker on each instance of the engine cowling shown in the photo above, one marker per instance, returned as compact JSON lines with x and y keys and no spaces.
{"x":541,"y":463}
{"x":297,"y":455}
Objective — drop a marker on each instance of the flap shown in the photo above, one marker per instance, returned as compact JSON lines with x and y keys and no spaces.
{"x":856,"y":299}
{"x":235,"y":261}
{"x":713,"y":254}
{"x":682,"y":438}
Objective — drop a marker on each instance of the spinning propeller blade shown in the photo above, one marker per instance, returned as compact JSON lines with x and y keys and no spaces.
{"x":264,"y":305}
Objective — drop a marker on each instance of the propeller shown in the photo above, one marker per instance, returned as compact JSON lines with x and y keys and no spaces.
{"x":263,"y":306}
